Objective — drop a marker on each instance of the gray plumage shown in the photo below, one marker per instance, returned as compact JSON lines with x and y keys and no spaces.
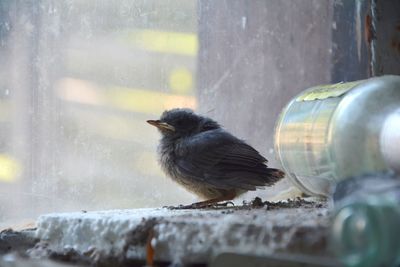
{"x":209,"y":161}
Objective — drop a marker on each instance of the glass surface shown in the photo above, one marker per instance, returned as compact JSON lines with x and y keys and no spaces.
{"x":78,"y":81}
{"x":328,"y":138}
{"x":365,"y":229}
{"x":79,"y":78}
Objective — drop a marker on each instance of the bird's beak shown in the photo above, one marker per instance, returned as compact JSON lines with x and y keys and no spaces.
{"x":161,"y":125}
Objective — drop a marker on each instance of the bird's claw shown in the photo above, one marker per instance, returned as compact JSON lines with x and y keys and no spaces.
{"x":223,"y":204}
{"x":173,"y":207}
{"x":200,"y":205}
{"x":183,"y":207}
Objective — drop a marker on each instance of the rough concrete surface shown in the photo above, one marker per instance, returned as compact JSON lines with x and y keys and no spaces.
{"x":182,"y":236}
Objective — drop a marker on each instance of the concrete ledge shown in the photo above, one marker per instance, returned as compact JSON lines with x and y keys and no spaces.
{"x":181,"y":236}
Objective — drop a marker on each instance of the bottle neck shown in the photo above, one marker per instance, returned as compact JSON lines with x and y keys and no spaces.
{"x":390,"y":140}
{"x":365,"y":231}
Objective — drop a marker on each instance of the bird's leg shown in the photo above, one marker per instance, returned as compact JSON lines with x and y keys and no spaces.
{"x":231,"y":194}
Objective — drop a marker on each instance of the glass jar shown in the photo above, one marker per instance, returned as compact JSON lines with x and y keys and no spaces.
{"x":331,"y":132}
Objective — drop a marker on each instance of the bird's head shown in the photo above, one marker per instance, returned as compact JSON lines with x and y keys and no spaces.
{"x":176,"y":123}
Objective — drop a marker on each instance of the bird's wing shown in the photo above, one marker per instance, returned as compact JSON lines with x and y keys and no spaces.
{"x":222,"y":161}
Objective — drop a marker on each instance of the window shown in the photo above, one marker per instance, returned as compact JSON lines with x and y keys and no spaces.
{"x":78,"y":81}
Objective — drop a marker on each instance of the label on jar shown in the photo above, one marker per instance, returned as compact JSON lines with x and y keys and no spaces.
{"x":326,"y":91}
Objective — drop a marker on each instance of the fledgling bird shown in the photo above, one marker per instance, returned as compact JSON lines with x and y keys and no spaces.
{"x":207,"y":160}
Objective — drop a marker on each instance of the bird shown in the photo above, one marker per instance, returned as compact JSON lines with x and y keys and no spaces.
{"x":197,"y":153}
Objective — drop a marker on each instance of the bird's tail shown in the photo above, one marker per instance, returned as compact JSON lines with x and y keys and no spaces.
{"x":274,"y":175}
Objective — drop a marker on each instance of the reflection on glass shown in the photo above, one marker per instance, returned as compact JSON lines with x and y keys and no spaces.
{"x":78,"y":81}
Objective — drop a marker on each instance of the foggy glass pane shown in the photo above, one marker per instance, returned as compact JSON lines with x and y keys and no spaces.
{"x":78,"y":81}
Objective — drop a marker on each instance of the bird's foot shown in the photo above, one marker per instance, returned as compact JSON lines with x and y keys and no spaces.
{"x":201,"y":205}
{"x":222,"y":204}
{"x":185,"y":207}
{"x":179,"y":207}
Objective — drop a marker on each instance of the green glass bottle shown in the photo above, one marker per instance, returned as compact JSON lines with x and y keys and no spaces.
{"x":366,"y":225}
